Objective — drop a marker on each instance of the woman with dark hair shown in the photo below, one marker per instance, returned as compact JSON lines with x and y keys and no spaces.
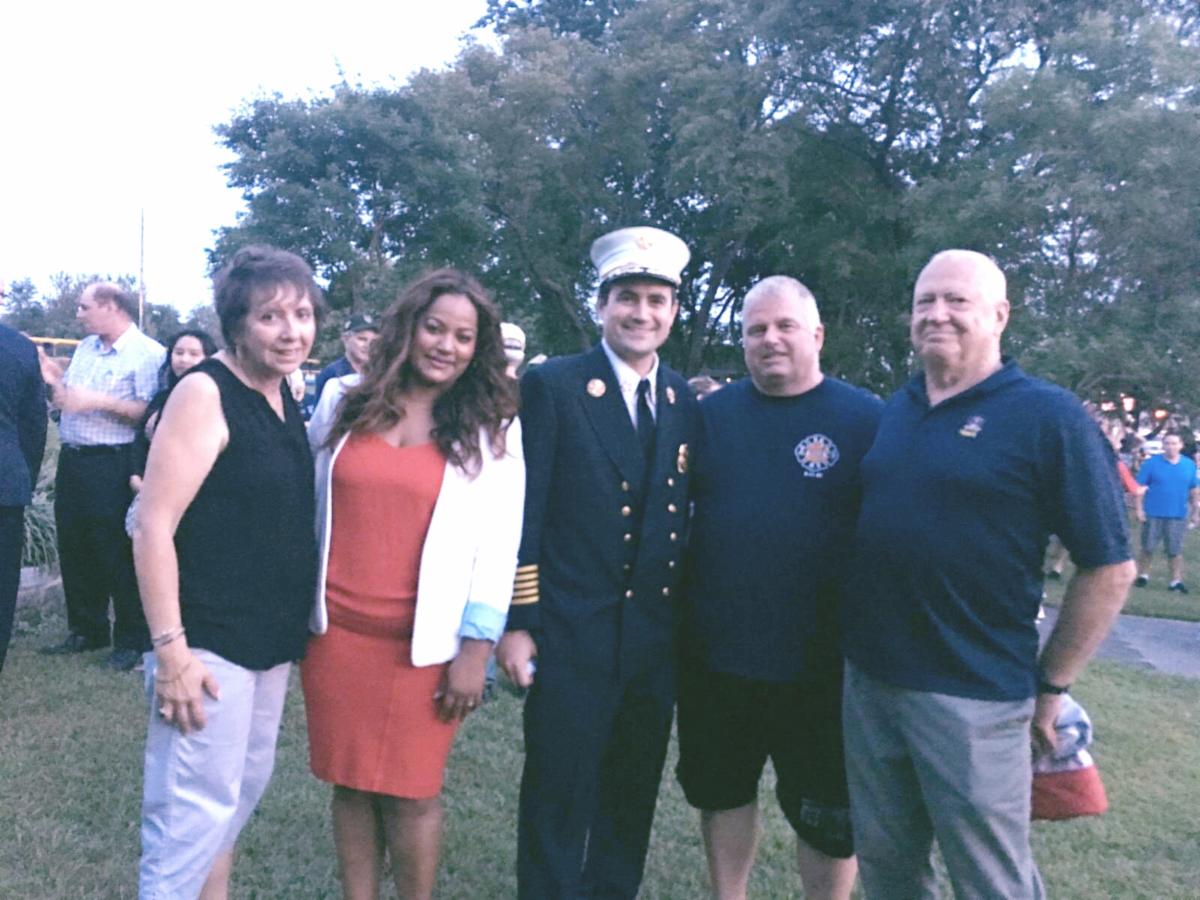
{"x":185,"y":350}
{"x":420,"y":488}
{"x":226,"y":562}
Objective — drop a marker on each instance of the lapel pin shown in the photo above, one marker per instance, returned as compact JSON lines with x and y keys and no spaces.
{"x":596,"y":388}
{"x":670,"y":394}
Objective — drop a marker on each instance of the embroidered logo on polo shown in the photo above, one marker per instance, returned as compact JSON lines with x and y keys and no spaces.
{"x":972,"y":427}
{"x":816,"y":454}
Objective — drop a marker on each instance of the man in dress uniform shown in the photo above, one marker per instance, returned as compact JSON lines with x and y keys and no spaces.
{"x":606,"y":436}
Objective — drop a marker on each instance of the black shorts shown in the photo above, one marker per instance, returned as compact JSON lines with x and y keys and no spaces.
{"x":729,"y":726}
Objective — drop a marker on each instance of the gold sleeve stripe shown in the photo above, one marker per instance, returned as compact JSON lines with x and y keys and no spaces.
{"x":525,"y":585}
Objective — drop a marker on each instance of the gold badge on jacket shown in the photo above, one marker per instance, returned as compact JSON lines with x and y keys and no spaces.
{"x":681,"y":460}
{"x":596,"y":388}
{"x":670,"y":394}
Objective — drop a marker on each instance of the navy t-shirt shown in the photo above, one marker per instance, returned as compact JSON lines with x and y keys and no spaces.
{"x":959,"y":500}
{"x":776,"y":487}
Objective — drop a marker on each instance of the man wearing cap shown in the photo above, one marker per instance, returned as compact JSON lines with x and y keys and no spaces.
{"x":775,"y":492}
{"x":513,"y":337}
{"x":357,"y":337}
{"x":607,"y":437}
{"x":974,"y":465}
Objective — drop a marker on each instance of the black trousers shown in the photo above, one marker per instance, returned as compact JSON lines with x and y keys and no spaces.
{"x":91,"y":495}
{"x":594,"y":751}
{"x":12,"y":536}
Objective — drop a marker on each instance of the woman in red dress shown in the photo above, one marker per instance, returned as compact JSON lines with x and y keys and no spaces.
{"x":420,"y":486}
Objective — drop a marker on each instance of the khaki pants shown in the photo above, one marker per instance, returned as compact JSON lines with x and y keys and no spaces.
{"x":923,"y":765}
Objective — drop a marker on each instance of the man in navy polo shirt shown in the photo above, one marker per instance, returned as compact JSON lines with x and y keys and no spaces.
{"x":974,"y":466}
{"x":776,"y":492}
{"x":1169,"y":502}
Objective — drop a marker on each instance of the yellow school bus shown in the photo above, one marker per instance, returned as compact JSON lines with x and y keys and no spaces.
{"x":58,"y":348}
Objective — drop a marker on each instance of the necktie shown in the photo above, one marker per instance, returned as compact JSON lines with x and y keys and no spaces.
{"x":645,"y":420}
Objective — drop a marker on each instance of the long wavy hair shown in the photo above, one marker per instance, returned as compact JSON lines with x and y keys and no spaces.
{"x":483,"y":398}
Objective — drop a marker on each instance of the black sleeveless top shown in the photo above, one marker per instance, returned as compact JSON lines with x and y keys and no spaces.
{"x":246,"y":545}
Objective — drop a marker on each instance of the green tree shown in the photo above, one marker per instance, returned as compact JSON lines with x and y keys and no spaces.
{"x":840,"y":143}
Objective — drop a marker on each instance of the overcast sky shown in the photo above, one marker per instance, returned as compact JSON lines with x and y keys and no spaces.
{"x":108,"y":109}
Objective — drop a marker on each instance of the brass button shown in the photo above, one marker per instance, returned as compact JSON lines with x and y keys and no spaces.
{"x":666,"y":592}
{"x":674,"y":536}
{"x":628,"y":568}
{"x":629,"y":595}
{"x":670,"y":482}
{"x":672,"y":508}
{"x":626,"y":511}
{"x":629,"y":537}
{"x":670,"y":563}
{"x":624,"y":485}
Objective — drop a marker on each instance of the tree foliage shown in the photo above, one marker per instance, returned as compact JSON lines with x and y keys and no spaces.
{"x":840,"y":143}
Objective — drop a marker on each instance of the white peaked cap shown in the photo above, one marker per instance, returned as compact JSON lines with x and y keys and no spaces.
{"x":511,"y":331}
{"x":640,"y":251}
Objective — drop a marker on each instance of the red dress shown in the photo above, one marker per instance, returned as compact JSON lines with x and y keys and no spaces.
{"x":372,"y":722}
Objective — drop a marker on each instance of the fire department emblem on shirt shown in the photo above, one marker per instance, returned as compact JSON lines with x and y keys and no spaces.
{"x":816,"y":454}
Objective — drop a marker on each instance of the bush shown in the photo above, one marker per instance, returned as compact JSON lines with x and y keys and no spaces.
{"x":41,"y":537}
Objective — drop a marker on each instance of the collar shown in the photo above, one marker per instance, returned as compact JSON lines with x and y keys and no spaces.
{"x":627,"y":378}
{"x":123,"y":341}
{"x":1008,"y":373}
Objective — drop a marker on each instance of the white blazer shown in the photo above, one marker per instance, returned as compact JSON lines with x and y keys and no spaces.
{"x":470,"y":554}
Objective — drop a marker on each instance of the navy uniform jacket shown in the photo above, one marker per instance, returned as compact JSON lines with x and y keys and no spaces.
{"x":22,"y":418}
{"x":596,"y":553}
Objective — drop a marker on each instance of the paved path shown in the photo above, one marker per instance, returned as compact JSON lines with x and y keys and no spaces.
{"x":1157,"y":645}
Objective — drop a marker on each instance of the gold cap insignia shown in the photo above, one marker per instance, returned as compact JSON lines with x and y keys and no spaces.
{"x":670,"y":394}
{"x":681,"y":460}
{"x":596,"y":388}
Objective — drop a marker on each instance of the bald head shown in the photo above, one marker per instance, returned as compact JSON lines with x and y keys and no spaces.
{"x":982,"y":270}
{"x":785,"y":288}
{"x":960,"y":310}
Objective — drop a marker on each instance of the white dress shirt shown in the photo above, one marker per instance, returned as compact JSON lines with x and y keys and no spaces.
{"x":628,"y":379}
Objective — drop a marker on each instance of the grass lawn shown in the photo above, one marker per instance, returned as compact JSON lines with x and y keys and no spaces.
{"x":71,"y":737}
{"x":1154,"y":599}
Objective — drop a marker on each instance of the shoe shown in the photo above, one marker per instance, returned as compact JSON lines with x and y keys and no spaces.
{"x":123,"y":659}
{"x":73,"y":643}
{"x":1053,"y":575}
{"x":1141,"y":581}
{"x":1178,"y":586}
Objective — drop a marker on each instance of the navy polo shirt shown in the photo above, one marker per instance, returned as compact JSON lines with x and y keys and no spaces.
{"x":959,"y":500}
{"x":775,"y":488}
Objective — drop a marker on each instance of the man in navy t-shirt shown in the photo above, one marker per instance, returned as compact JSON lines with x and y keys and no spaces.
{"x":1170,"y":500}
{"x":975,"y":464}
{"x":775,"y":488}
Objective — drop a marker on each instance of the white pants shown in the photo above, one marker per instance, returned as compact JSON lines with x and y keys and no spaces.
{"x":201,"y":788}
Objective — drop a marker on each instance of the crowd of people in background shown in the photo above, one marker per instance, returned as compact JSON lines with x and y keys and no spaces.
{"x":844,"y":586}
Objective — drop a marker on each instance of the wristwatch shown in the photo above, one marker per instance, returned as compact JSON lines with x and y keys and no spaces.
{"x":1044,"y":686}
